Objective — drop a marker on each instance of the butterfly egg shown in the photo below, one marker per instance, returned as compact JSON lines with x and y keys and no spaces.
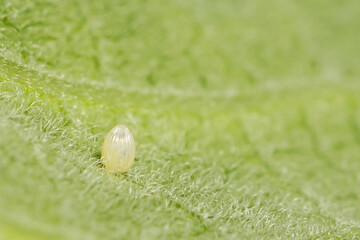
{"x":118,"y":151}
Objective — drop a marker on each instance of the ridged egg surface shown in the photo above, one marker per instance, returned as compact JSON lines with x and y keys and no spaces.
{"x":118,"y":150}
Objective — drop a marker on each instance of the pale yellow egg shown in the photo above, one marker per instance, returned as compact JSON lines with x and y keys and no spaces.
{"x":118,"y":151}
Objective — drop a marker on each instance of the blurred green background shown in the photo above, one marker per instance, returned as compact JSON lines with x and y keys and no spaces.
{"x":245,"y":113}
